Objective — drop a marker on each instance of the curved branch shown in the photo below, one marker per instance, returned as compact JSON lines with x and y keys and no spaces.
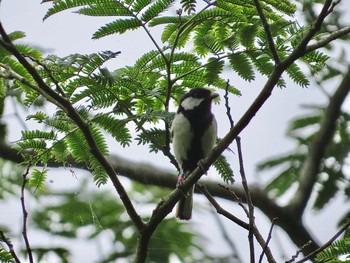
{"x":311,"y":166}
{"x":68,"y":108}
{"x":148,"y":174}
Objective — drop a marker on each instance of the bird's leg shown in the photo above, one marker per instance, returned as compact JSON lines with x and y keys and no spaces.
{"x":201,"y":166}
{"x":180,"y":180}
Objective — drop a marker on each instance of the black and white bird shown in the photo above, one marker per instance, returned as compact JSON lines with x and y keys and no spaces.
{"x":193,"y":133}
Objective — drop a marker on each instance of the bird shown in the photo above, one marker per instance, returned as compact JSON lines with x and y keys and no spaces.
{"x":193,"y":131}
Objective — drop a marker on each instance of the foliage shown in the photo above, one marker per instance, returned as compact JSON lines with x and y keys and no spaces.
{"x":5,"y":257}
{"x":91,"y":215}
{"x":333,"y":253}
{"x":133,"y":103}
{"x":332,"y":178}
{"x":224,"y":34}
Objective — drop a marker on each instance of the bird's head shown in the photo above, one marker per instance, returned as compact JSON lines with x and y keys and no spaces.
{"x":197,"y":98}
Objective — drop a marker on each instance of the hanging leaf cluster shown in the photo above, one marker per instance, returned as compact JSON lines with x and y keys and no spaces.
{"x":332,"y":178}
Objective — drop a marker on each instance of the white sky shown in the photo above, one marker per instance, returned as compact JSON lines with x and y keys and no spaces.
{"x":67,"y":33}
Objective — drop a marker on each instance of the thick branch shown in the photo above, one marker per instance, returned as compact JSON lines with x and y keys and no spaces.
{"x":150,"y":175}
{"x":311,"y":166}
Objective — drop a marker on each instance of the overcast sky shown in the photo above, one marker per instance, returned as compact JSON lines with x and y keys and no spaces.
{"x":67,"y":33}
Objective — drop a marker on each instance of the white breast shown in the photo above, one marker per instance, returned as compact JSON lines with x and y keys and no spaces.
{"x":209,"y":138}
{"x":182,"y":136}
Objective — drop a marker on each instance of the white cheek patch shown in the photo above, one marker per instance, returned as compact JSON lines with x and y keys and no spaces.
{"x":190,"y":103}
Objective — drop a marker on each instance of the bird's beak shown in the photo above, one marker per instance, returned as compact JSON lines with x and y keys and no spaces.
{"x":214,"y":95}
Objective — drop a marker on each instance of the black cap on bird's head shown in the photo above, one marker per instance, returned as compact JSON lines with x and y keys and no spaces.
{"x":197,"y":97}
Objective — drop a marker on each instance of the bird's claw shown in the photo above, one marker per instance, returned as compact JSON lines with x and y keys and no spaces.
{"x":180,"y":180}
{"x":179,"y":183}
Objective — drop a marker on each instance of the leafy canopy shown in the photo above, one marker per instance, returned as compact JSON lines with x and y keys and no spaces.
{"x":198,"y":42}
{"x":223,"y":34}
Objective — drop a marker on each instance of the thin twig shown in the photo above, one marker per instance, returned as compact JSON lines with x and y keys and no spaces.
{"x":267,"y":31}
{"x":227,"y":105}
{"x":327,"y":244}
{"x":249,"y":200}
{"x":49,"y":73}
{"x":64,"y":104}
{"x":9,"y":244}
{"x":300,"y":250}
{"x":236,"y":198}
{"x":25,"y":216}
{"x":325,"y":41}
{"x":219,"y":208}
{"x":268,"y":239}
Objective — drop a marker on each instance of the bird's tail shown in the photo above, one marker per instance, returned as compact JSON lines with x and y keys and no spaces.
{"x":184,"y":206}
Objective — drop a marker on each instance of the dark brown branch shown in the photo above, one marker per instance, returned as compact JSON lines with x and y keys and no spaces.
{"x":327,"y":244}
{"x":66,"y":106}
{"x":311,"y":167}
{"x":25,"y":216}
{"x":269,"y":237}
{"x":227,"y":105}
{"x":253,"y":230}
{"x":249,"y":201}
{"x":267,"y":31}
{"x":325,"y":41}
{"x":9,"y":244}
{"x":296,"y":255}
{"x":151,"y":175}
{"x":301,"y":49}
{"x":219,"y":208}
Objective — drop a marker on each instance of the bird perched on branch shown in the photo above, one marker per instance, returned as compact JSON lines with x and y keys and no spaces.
{"x":193,"y":133}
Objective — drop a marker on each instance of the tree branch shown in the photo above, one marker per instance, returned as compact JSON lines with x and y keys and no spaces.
{"x":317,"y":147}
{"x":67,"y":107}
{"x":9,"y":244}
{"x":325,"y":41}
{"x":25,"y":216}
{"x":327,"y":244}
{"x":267,"y":31}
{"x":151,"y":175}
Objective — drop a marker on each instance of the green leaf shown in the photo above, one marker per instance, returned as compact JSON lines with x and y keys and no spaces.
{"x":62,"y":5}
{"x":328,"y":189}
{"x":334,"y":251}
{"x":38,"y":134}
{"x":240,"y":63}
{"x":5,"y":256}
{"x":116,"y":127}
{"x":304,"y":122}
{"x":119,"y":26}
{"x":247,"y":35}
{"x":59,"y":151}
{"x":295,"y":73}
{"x":283,"y":181}
{"x":38,"y":178}
{"x":213,"y":68}
{"x":224,"y":169}
{"x":138,"y":6}
{"x":154,"y":10}
{"x":188,"y":5}
{"x":261,"y":61}
{"x":106,"y":8}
